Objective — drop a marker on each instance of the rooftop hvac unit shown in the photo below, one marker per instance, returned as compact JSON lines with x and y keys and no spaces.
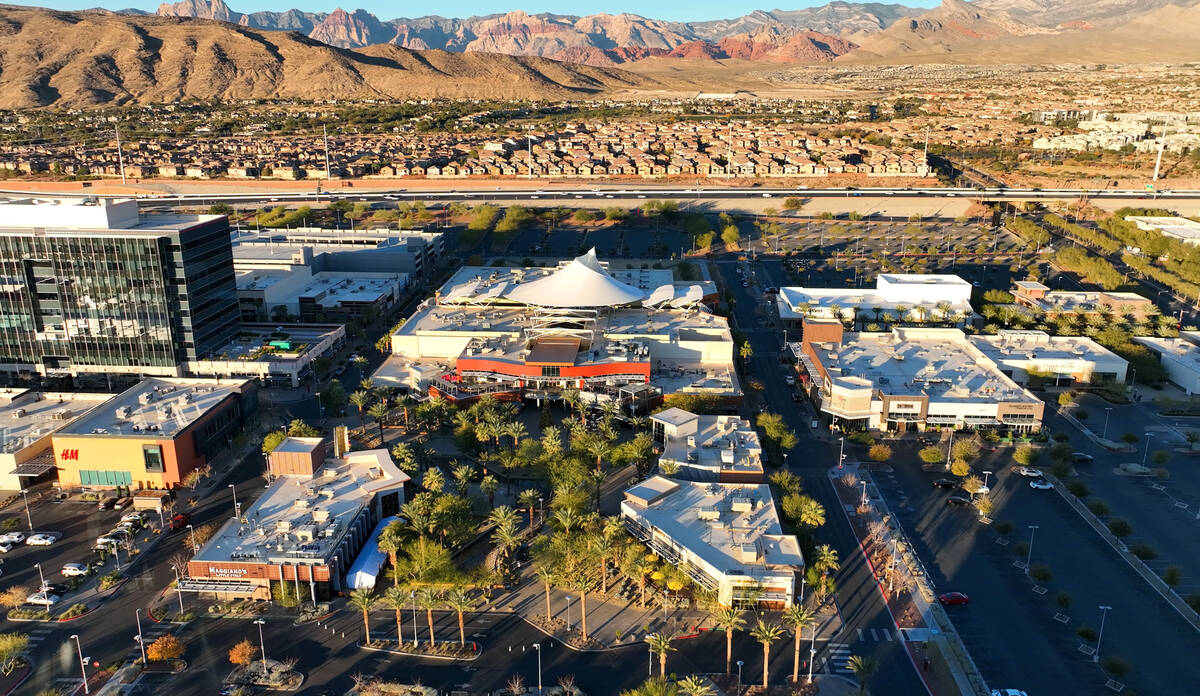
{"x":300,"y":503}
{"x":123,"y":412}
{"x":61,"y":414}
{"x":320,"y":515}
{"x":145,"y":397}
{"x":19,"y":413}
{"x":283,"y":526}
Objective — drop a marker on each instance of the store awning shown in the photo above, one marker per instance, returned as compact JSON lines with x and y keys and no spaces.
{"x":37,"y":466}
{"x":225,"y":586}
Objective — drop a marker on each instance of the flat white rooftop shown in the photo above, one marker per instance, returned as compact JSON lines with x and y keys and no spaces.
{"x":733,"y":527}
{"x":1178,"y":227}
{"x":63,"y":215}
{"x":939,"y":363}
{"x":156,"y":407}
{"x":1038,"y":345}
{"x":28,"y":416}
{"x":302,"y":519}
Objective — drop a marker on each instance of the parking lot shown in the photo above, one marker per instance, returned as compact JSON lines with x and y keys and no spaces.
{"x":1007,"y":608}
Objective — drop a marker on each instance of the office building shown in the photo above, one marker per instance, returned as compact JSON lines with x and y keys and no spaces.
{"x":411,"y":252}
{"x":1059,"y":361}
{"x":725,"y":536}
{"x":89,"y":287}
{"x":629,"y":336}
{"x":1180,"y":357}
{"x":152,"y":435}
{"x":306,"y":530}
{"x":912,"y":379}
{"x":300,"y":295}
{"x":695,"y":447}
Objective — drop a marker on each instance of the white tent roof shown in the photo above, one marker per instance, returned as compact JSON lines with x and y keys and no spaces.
{"x":581,"y":283}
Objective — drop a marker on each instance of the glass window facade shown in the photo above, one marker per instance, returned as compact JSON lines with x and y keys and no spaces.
{"x":126,"y":300}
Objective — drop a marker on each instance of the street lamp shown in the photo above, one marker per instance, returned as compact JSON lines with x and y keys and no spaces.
{"x":28,"y":518}
{"x":538,"y":648}
{"x":137,"y":614}
{"x":986,"y":474}
{"x":1104,"y":609}
{"x":568,"y":612}
{"x":650,"y":655}
{"x":1029,"y":556}
{"x":842,"y":452}
{"x":82,"y":663}
{"x":262,"y":643}
{"x":192,"y":532}
{"x":1107,"y":413}
{"x":412,"y":594}
{"x":233,"y":488}
{"x":178,"y":589}
{"x":812,"y":657}
{"x":41,"y":576}
{"x":1147,"y":451}
{"x":739,"y":681}
{"x":116,"y":554}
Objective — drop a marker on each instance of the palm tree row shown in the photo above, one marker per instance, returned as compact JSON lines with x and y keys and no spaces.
{"x":396,"y":598}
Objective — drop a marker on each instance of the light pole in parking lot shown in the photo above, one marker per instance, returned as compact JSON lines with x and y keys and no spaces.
{"x":1029,"y":556}
{"x":1104,"y":609}
{"x":233,"y":488}
{"x":192,"y":532}
{"x":261,"y":642}
{"x":1107,"y":413}
{"x":137,"y":615}
{"x":28,"y":518}
{"x":82,"y":663}
{"x":1147,"y":450}
{"x":986,"y":476}
{"x":41,"y":576}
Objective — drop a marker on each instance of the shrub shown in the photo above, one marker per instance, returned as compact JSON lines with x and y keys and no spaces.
{"x":880,"y":453}
{"x":77,"y":609}
{"x":1062,"y":437}
{"x":1172,"y":575}
{"x":1081,"y":414}
{"x":1114,"y":665}
{"x":1063,"y":600}
{"x":1146,"y":552}
{"x":167,"y":647}
{"x":1098,"y":507}
{"x":984,"y":505}
{"x":965,"y":450}
{"x":108,"y":581}
{"x":1120,"y":527}
{"x":1021,"y":548}
{"x":1130,"y":438}
{"x":1193,"y":601}
{"x":861,"y":437}
{"x":242,"y":653}
{"x":1078,"y":488}
{"x":1087,"y":633}
{"x":1066,"y":399}
{"x":1026,"y":455}
{"x":1060,"y":469}
{"x":1041,"y":572}
{"x":1003,"y":527}
{"x":932,"y":455}
{"x":960,"y":467}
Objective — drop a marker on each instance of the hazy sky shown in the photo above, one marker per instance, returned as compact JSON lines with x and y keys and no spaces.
{"x":678,"y":10}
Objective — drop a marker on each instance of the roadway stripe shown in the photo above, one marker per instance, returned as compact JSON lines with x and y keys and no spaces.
{"x":874,"y":636}
{"x":860,"y":634}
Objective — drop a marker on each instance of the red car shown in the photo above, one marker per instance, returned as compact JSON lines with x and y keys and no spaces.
{"x":180,"y":520}
{"x":953,"y":598}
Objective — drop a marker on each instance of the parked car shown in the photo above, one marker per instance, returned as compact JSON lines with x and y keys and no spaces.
{"x":43,"y":599}
{"x":1030,"y":472}
{"x":138,"y":516}
{"x":1008,"y":692}
{"x":7,"y":546}
{"x":1041,"y":485}
{"x":945,"y":483}
{"x":1082,"y":458}
{"x":56,"y":588}
{"x":958,"y":500}
{"x":105,"y":541}
{"x":40,"y":540}
{"x":74,"y":570}
{"x":106,"y":503}
{"x":12,"y":538}
{"x":789,"y":380}
{"x":953,"y":598}
{"x":181,"y":520}
{"x":123,"y":503}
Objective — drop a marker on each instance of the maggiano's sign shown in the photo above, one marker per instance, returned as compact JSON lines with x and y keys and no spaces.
{"x":227,"y":572}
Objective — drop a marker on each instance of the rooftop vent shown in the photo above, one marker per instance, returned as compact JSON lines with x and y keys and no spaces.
{"x":320,"y":515}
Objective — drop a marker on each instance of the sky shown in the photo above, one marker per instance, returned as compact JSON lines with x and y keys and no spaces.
{"x":672,"y":10}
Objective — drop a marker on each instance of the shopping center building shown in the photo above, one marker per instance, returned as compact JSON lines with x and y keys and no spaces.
{"x":629,"y":336}
{"x":696,"y":447}
{"x":28,"y":420}
{"x":725,"y":536}
{"x":930,"y":296}
{"x":306,"y":530}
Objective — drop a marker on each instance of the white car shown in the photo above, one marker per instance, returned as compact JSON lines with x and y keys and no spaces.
{"x":138,"y":517}
{"x":12,"y":538}
{"x":43,"y":598}
{"x":6,"y":547}
{"x":40,"y":540}
{"x":1029,"y":472}
{"x":74,"y":570}
{"x":107,"y":542}
{"x":1041,"y":485}
{"x":1008,"y":692}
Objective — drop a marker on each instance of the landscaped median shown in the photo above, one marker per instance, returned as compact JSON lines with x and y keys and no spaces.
{"x":440,"y":650}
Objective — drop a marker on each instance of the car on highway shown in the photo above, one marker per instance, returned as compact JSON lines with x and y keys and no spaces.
{"x":43,"y":599}
{"x":40,"y":540}
{"x":952,"y":598}
{"x":945,"y":483}
{"x":74,"y":570}
{"x":1041,"y":485}
{"x":958,"y":500}
{"x":12,"y":538}
{"x":1029,"y":472}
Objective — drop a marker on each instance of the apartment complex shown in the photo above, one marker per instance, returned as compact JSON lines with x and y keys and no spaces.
{"x":725,"y":536}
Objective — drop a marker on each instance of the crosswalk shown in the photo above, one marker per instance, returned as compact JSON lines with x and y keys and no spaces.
{"x":838,"y":659}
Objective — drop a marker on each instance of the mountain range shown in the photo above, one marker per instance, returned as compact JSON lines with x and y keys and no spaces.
{"x":807,"y":35}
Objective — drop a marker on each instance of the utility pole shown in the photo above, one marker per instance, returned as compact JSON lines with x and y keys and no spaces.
{"x":1162,"y":145}
{"x":121,"y":155}
{"x":325,"y":134}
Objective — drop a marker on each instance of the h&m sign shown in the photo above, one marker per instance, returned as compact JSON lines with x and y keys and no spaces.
{"x":69,"y":455}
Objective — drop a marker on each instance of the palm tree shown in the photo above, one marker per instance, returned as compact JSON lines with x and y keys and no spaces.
{"x":546,"y":576}
{"x":581,"y":583}
{"x":529,"y":498}
{"x":462,"y":474}
{"x":766,"y":633}
{"x":404,"y":457}
{"x":363,"y":600}
{"x":660,"y":644}
{"x":603,"y":548}
{"x":506,"y":538}
{"x":573,"y":400}
{"x":489,"y":485}
{"x":391,"y":539}
{"x":429,"y":599}
{"x":811,"y":513}
{"x":599,"y":448}
{"x":395,"y":597}
{"x":360,"y":399}
{"x":799,"y":617}
{"x":863,"y":668}
{"x":567,"y":518}
{"x":378,"y":412}
{"x":731,"y":619}
{"x":516,"y":430}
{"x":640,"y":567}
{"x":825,"y":560}
{"x":459,"y":601}
{"x":503,"y":515}
{"x":693,"y":685}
